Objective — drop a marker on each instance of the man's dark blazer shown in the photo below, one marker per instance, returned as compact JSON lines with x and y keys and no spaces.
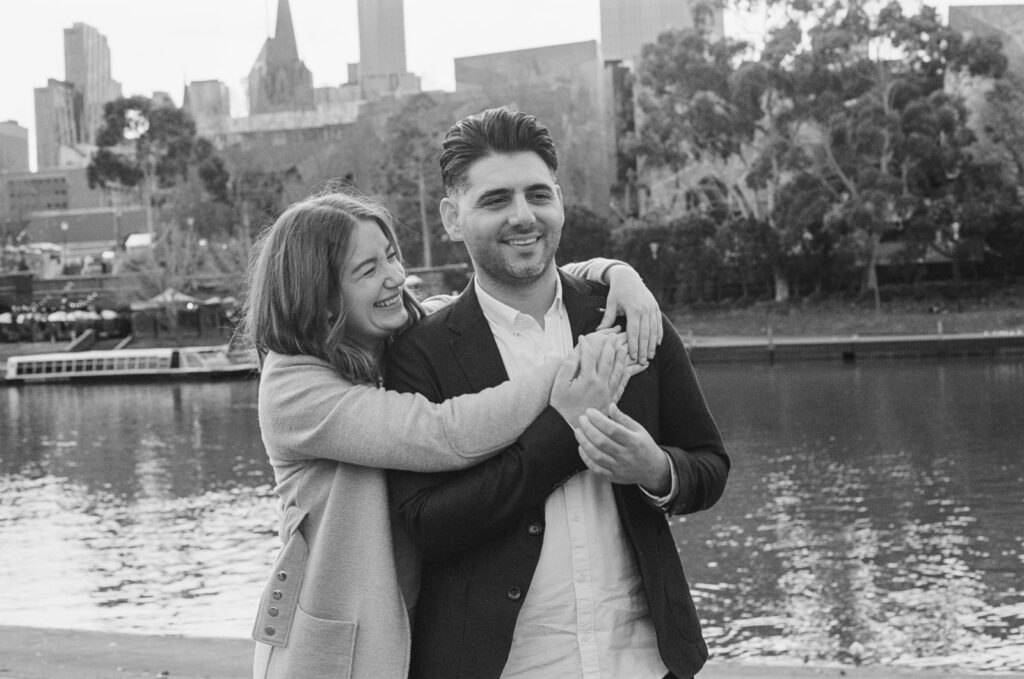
{"x":481,"y":529}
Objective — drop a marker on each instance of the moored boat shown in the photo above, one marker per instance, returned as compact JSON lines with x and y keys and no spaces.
{"x":120,"y":364}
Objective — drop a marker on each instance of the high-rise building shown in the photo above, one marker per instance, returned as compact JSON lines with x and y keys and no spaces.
{"x":279,"y":80}
{"x":209,"y":104}
{"x":628,"y":25}
{"x":13,"y":147}
{"x":382,"y":50}
{"x":58,"y":121}
{"x":87,"y":68}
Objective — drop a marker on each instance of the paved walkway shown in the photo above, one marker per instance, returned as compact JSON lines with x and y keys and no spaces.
{"x":30,"y":653}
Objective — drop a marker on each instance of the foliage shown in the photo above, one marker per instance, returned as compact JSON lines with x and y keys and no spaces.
{"x":838,"y":134}
{"x":585,"y":234}
{"x":412,"y":186}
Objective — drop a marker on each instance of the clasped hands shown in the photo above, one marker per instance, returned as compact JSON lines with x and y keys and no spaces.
{"x":613,"y":445}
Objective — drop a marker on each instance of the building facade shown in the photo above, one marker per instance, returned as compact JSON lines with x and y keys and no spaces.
{"x":58,"y":121}
{"x":627,"y":25}
{"x":382,"y":66}
{"x":279,"y":80}
{"x":208,"y":102}
{"x":87,"y":69}
{"x":13,"y":147}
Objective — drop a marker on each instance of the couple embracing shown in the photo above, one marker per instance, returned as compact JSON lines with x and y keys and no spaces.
{"x":481,"y":491}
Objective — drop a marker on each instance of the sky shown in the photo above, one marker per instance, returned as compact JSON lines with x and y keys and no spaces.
{"x":159,"y":45}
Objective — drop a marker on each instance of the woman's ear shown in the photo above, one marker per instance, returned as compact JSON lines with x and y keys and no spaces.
{"x":449,"y":209}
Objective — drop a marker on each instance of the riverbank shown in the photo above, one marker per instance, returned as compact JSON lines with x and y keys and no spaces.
{"x":31,"y":653}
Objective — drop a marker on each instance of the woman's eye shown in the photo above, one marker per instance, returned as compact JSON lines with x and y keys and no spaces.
{"x":392,"y":256}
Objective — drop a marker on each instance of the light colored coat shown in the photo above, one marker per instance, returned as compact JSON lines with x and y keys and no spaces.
{"x":335,"y":603}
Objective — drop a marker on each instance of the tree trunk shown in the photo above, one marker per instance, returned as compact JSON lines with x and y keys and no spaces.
{"x":871,"y":272}
{"x":428,"y":255}
{"x":781,"y":282}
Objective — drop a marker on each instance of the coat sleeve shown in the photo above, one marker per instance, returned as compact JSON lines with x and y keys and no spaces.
{"x":448,"y":513}
{"x":306,"y":410}
{"x":688,"y":431}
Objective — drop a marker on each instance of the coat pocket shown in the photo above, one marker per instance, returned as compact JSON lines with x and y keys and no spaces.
{"x":317,"y":648}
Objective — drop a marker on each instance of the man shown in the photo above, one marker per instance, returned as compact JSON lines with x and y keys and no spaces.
{"x":554,"y":558}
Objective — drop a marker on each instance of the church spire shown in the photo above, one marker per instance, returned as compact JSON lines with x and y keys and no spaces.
{"x":283,"y":46}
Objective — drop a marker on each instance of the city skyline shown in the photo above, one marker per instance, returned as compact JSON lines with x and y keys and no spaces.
{"x":220,"y":41}
{"x":198,"y":41}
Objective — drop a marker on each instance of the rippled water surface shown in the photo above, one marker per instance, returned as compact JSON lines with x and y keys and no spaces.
{"x":879,"y":505}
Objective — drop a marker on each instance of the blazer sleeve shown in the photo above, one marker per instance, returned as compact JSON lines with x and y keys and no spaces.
{"x":449,"y":513}
{"x":306,"y":410}
{"x":688,"y":431}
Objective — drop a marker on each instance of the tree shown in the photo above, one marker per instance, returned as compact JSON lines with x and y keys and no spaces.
{"x":705,"y":113}
{"x":894,"y":142}
{"x":412,"y":145}
{"x":585,"y":234}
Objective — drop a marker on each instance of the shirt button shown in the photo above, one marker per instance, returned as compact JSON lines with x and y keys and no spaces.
{"x":514,"y":593}
{"x":535,"y":529}
{"x":581,"y":576}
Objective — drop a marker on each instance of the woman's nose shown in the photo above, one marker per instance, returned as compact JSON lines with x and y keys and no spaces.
{"x":396,"y":275}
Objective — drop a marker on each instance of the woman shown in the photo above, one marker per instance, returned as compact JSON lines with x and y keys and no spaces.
{"x":325,"y":294}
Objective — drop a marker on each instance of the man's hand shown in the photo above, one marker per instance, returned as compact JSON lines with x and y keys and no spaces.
{"x":629,"y":297}
{"x":592,"y":376}
{"x":618,"y":448}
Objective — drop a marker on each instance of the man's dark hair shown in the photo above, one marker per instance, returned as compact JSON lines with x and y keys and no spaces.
{"x":496,"y":130}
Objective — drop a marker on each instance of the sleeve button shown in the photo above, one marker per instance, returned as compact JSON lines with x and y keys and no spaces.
{"x":270,"y":631}
{"x":514,"y":593}
{"x":282,"y":576}
{"x":535,"y":529}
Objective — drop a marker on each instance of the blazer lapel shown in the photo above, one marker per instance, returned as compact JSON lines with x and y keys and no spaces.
{"x":473,"y":346}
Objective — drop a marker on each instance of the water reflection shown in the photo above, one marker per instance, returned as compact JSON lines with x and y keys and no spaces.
{"x":877,"y":504}
{"x":134,"y":507}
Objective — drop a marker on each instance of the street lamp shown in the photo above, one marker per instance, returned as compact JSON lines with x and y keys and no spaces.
{"x":64,"y":250}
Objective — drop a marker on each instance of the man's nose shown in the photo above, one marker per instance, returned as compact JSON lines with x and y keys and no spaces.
{"x":522,"y":212}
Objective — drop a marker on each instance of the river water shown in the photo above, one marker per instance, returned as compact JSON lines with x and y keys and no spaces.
{"x":877,"y":505}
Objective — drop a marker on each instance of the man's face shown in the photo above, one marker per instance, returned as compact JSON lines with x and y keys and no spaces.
{"x":509,"y":215}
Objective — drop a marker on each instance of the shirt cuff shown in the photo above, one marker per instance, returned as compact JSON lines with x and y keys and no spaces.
{"x":664,"y":502}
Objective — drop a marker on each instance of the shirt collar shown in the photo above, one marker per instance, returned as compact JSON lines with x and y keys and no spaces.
{"x":500,"y":314}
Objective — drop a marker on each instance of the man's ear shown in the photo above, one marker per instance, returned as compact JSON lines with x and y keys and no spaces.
{"x":449,"y":209}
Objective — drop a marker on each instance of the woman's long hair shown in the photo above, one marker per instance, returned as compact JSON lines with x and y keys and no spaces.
{"x":293,"y":303}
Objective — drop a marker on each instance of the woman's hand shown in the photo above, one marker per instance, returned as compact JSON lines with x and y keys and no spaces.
{"x":594,"y":375}
{"x":628,"y":296}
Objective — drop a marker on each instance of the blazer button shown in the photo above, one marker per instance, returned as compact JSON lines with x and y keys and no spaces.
{"x":535,"y":528}
{"x":515,"y":594}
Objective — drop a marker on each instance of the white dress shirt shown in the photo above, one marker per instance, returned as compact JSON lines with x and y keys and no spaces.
{"x":585,"y":613}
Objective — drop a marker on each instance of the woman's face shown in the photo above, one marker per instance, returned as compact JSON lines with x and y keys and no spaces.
{"x":371,"y":286}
